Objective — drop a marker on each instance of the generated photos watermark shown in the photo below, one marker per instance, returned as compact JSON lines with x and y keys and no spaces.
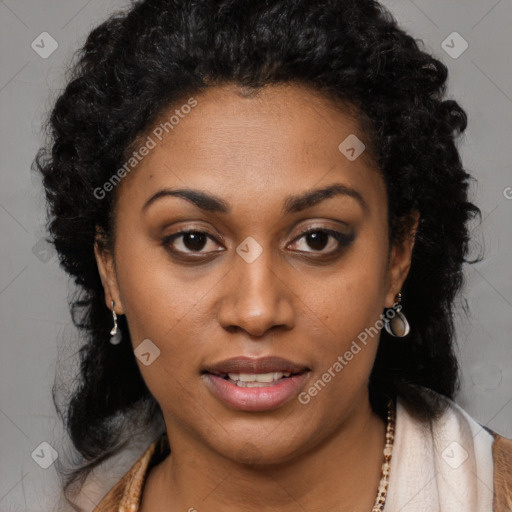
{"x":151,"y":142}
{"x":343,"y":360}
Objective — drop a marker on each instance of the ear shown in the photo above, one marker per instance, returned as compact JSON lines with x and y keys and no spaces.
{"x":400,"y":260}
{"x":106,"y":269}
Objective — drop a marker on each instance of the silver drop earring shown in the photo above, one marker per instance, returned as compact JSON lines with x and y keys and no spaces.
{"x":397,"y":325}
{"x":115,"y":333}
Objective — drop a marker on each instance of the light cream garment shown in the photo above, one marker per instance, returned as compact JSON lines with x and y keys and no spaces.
{"x":444,"y":468}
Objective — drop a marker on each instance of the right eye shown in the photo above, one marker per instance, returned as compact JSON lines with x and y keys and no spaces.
{"x":192,"y":241}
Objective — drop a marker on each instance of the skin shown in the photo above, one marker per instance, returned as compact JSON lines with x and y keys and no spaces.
{"x":294,"y":301}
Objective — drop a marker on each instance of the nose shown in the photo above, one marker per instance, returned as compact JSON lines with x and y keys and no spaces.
{"x":256,"y":299}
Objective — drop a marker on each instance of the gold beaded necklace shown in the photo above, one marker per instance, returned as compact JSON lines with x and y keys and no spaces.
{"x":380,"y":500}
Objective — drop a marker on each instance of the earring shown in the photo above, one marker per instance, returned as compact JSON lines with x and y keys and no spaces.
{"x":116,"y":335}
{"x":397,"y":325}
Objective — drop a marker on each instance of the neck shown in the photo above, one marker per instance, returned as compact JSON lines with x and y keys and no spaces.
{"x":344,"y":469}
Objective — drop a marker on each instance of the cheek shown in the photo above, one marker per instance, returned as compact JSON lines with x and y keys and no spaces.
{"x":171,"y":316}
{"x":157,"y":295}
{"x":351,"y":305}
{"x":165,"y":308}
{"x":352,"y":300}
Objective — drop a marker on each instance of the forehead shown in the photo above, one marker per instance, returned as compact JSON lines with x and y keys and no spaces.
{"x":230,"y":121}
{"x":275,"y":140}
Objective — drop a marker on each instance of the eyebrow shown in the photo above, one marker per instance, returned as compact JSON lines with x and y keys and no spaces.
{"x":292,"y":204}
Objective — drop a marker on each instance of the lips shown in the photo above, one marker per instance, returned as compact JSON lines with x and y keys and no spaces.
{"x":251,"y":385}
{"x":259,"y":365}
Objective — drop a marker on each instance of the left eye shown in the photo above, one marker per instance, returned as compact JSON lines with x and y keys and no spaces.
{"x":318,"y":239}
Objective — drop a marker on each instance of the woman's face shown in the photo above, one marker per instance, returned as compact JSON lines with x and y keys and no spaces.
{"x":258,"y":172}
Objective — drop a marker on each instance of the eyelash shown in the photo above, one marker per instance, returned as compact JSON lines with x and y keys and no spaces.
{"x":343,"y":240}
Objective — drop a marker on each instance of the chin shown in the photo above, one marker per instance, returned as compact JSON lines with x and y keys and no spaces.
{"x":262,"y":452}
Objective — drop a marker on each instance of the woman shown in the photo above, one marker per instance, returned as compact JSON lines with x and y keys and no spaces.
{"x":265,"y":208}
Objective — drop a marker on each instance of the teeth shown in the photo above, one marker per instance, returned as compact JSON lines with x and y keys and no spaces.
{"x":241,"y":384}
{"x":251,"y":380}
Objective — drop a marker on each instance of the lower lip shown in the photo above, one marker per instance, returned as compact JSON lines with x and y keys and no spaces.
{"x":254,"y":399}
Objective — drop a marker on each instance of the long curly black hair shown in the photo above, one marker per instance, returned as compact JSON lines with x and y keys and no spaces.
{"x":142,"y":60}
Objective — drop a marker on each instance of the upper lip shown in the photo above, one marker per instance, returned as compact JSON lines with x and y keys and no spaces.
{"x":255,"y":365}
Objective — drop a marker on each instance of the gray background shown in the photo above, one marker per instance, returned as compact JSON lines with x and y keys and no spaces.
{"x":35,"y":327}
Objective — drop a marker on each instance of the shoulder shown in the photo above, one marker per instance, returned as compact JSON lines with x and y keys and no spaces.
{"x":502,"y":457}
{"x":462,"y":447}
{"x":125,"y":496}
